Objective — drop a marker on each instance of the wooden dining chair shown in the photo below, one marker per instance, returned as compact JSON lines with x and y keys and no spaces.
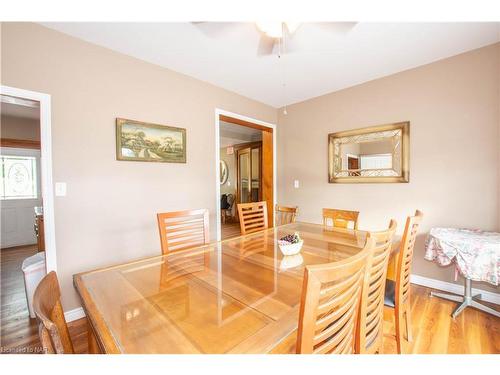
{"x":227,"y":212}
{"x":329,"y":307}
{"x":369,"y":334}
{"x":285,"y":215}
{"x":183,"y":229}
{"x":253,"y":217}
{"x":52,"y":327}
{"x":340,"y":218}
{"x":397,"y":294}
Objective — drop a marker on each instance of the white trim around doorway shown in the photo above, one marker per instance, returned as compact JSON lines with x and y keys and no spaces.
{"x":46,"y":166}
{"x":219,"y":112}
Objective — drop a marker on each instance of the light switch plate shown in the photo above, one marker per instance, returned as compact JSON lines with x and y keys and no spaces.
{"x":60,"y":189}
{"x":296,"y":184}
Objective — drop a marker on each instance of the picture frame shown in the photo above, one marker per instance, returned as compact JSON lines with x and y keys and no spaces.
{"x":144,"y":141}
{"x":397,"y":135}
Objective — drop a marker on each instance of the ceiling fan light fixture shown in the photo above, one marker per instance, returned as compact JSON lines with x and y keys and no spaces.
{"x":274,"y":29}
{"x":292,"y":26}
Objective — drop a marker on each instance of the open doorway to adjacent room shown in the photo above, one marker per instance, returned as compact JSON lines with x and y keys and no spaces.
{"x":246,"y":169}
{"x":27,"y":248}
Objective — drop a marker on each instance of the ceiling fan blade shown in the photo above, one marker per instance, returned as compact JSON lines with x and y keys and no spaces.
{"x":213,"y":29}
{"x":266,"y":46}
{"x":337,"y":27}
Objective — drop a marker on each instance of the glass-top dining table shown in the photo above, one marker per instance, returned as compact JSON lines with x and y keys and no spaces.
{"x":236,"y":296}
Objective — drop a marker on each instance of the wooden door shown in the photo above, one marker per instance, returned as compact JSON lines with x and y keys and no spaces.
{"x":267,"y":174}
{"x":249,"y":173}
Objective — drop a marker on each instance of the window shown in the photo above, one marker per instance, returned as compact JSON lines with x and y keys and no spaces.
{"x":18,"y":175}
{"x":380,"y":161}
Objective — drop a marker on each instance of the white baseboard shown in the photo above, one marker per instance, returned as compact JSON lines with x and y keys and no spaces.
{"x":74,"y":314}
{"x":454,"y":288}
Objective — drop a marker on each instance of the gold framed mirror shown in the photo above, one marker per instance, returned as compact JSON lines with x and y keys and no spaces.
{"x":376,"y":154}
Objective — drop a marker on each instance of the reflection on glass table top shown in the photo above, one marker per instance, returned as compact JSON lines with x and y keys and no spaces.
{"x":212,"y":298}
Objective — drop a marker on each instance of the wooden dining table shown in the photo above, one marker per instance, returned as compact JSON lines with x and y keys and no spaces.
{"x":235,"y":296}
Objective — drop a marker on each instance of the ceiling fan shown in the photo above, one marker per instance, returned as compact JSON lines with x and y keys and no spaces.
{"x":276,"y":37}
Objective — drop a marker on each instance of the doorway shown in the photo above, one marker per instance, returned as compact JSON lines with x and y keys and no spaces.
{"x":245,"y":162}
{"x":27,"y":212}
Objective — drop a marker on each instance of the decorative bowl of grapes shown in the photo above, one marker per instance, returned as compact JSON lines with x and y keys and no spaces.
{"x":291,"y":244}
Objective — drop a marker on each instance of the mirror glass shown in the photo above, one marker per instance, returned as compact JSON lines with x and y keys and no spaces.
{"x":378,"y":154}
{"x":224,"y":172}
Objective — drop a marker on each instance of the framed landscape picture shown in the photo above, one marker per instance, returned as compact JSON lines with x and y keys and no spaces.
{"x":142,"y":141}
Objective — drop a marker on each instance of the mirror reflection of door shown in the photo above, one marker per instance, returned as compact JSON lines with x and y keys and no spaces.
{"x":249,"y":174}
{"x":353,"y":164}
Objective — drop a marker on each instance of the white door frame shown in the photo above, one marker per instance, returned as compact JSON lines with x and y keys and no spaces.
{"x":219,"y":112}
{"x":46,"y":166}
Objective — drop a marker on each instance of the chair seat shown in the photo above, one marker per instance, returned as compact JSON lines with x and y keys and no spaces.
{"x":390,"y":296}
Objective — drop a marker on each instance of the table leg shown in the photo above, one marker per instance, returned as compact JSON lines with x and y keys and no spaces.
{"x":93,"y":347}
{"x":450,"y":297}
{"x":466,"y":300}
{"x":459,"y":309}
{"x":486,"y":309}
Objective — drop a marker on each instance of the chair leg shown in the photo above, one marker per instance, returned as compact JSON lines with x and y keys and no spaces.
{"x":409,"y":335}
{"x":399,"y":330}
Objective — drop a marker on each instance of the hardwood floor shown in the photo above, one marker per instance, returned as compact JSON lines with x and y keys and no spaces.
{"x":19,"y":333}
{"x":433,"y":329}
{"x":435,"y":332}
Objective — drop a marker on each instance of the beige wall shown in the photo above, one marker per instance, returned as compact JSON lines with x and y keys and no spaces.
{"x":109,"y":213}
{"x":19,"y":128}
{"x":453,"y":107}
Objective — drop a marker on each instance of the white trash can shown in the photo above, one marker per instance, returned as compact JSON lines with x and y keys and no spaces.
{"x":34,"y":271}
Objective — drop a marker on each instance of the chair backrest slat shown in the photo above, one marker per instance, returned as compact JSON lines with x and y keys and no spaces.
{"x":253,"y":217}
{"x":340,"y":218}
{"x":285,"y":215}
{"x":403,"y":269}
{"x":329,"y":307}
{"x":52,"y":327}
{"x":370,"y":326}
{"x":183,"y":229}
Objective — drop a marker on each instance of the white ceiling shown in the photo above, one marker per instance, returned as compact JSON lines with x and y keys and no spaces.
{"x":323,"y":59}
{"x":14,"y":110}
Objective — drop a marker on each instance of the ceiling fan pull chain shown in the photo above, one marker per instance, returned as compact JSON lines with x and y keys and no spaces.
{"x":283,"y":50}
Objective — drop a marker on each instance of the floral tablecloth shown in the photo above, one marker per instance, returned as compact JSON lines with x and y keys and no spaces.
{"x":476,"y":253}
